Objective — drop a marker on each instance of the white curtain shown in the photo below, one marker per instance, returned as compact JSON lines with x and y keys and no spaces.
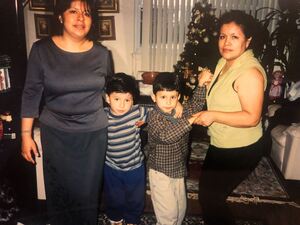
{"x":164,"y":27}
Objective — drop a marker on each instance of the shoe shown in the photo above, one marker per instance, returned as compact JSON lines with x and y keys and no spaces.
{"x":116,"y":222}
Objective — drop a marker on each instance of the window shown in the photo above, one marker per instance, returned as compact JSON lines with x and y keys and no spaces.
{"x":162,"y":26}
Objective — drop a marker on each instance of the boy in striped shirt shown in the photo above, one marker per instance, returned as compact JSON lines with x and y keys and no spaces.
{"x":124,"y":170}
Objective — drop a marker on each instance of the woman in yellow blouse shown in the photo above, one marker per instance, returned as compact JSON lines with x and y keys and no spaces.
{"x":234,"y":101}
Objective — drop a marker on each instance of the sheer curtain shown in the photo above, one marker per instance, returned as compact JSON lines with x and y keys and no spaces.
{"x":164,"y":27}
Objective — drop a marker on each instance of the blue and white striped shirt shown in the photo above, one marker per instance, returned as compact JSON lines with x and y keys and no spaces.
{"x":124,"y":141}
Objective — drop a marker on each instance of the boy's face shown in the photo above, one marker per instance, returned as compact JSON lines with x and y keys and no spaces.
{"x":166,"y":100}
{"x":120,"y":103}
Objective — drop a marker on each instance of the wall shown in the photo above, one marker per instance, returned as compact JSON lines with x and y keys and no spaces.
{"x":122,"y":48}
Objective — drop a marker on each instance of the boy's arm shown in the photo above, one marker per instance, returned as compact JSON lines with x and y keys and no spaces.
{"x":196,"y":103}
{"x":144,"y":112}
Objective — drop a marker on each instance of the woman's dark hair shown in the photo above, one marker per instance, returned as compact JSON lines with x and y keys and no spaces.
{"x":166,"y":81}
{"x":250,"y":27}
{"x":123,"y":83}
{"x":62,"y":5}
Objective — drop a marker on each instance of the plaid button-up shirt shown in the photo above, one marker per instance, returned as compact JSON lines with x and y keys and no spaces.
{"x":168,"y":137}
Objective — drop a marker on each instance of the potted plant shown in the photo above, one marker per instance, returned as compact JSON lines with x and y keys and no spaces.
{"x":283,"y":44}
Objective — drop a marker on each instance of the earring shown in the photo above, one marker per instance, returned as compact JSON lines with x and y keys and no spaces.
{"x":60,"y":19}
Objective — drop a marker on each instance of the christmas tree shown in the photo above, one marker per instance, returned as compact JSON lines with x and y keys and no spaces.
{"x":201,"y":48}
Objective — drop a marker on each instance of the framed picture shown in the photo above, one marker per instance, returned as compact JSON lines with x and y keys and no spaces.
{"x":41,"y":5}
{"x":107,"y":6}
{"x":4,"y":80}
{"x":42,"y":25}
{"x":106,"y":29}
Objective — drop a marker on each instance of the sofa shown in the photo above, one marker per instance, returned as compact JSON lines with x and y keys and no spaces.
{"x":284,"y":126}
{"x":285,"y":150}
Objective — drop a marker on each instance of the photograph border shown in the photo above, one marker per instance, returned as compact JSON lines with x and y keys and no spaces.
{"x":47,"y":18}
{"x":103,"y":7}
{"x":111,"y":28}
{"x":44,"y":5}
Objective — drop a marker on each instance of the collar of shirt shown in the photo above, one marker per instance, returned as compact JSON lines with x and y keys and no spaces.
{"x":169,"y":116}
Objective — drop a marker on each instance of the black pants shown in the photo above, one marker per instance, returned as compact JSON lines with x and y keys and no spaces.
{"x":223,"y":170}
{"x":73,"y":167}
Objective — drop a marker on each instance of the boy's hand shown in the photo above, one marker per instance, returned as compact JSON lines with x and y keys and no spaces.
{"x":178,"y":110}
{"x":139,"y":123}
{"x":204,"y":77}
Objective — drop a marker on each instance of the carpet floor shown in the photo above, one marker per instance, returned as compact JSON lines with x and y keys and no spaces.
{"x":262,"y":184}
{"x":149,"y":219}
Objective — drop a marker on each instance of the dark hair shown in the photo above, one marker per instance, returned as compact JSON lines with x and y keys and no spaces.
{"x":62,"y":5}
{"x":249,"y":26}
{"x":122,"y":83}
{"x":166,"y":81}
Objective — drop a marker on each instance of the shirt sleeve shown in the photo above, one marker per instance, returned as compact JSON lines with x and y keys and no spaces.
{"x":109,"y":65}
{"x":33,"y":88}
{"x":144,"y":110}
{"x":196,"y":103}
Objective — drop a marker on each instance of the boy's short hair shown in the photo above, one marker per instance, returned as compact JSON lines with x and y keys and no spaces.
{"x":122,"y":83}
{"x":166,"y":81}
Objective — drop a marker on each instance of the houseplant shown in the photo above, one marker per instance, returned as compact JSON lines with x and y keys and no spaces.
{"x":281,"y":50}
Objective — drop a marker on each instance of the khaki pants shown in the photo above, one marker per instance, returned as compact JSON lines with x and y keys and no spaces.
{"x":168,"y":198}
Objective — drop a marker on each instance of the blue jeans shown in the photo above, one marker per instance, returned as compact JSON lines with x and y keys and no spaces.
{"x":124,"y":193}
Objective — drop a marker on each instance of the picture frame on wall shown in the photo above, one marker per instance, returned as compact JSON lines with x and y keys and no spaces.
{"x":4,"y":80}
{"x":42,"y":25}
{"x":106,"y":29}
{"x":107,"y":6}
{"x":41,"y":5}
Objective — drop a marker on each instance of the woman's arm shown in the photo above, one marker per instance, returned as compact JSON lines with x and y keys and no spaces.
{"x":250,"y":89}
{"x":28,"y":145}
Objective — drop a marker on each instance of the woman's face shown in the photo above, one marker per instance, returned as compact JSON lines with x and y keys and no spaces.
{"x":77,"y":20}
{"x":232,"y":41}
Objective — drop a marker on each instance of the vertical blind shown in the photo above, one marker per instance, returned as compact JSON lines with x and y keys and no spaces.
{"x":164,"y":27}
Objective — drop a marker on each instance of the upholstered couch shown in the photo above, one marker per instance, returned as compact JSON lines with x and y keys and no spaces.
{"x":285,"y":150}
{"x":284,"y":125}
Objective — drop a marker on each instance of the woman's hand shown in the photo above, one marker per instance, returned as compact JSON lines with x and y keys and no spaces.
{"x":29,"y":148}
{"x":204,"y":77}
{"x":193,"y":117}
{"x":205,"y":118}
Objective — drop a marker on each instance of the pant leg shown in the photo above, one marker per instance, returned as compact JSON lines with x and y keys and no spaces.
{"x":222,"y":171}
{"x":135,"y":183}
{"x":180,"y":194}
{"x":114,"y":193}
{"x":73,"y":166}
{"x":169,"y":208}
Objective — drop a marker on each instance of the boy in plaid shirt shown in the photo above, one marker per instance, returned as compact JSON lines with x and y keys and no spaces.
{"x":168,"y":146}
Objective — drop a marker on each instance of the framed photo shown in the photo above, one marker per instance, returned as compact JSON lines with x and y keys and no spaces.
{"x":107,"y":6}
{"x":41,"y":5}
{"x":4,"y":80}
{"x":106,"y":29}
{"x":42,"y":25}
